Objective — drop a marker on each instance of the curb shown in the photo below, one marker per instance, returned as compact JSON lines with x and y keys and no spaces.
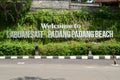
{"x":60,"y":57}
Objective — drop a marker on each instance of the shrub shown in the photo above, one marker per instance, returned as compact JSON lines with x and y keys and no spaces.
{"x":16,"y":48}
{"x":58,"y":49}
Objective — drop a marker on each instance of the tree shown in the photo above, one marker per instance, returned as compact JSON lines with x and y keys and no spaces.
{"x":13,"y":10}
{"x":3,"y":8}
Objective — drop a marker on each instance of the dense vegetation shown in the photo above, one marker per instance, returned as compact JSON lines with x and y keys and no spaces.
{"x":12,"y":10}
{"x":59,"y":49}
{"x":102,"y":19}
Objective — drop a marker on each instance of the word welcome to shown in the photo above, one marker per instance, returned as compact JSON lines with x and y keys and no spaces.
{"x":61,"y":26}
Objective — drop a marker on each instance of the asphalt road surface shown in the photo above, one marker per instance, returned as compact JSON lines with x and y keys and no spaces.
{"x":53,"y":69}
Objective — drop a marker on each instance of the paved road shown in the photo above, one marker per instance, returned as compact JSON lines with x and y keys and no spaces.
{"x":53,"y":69}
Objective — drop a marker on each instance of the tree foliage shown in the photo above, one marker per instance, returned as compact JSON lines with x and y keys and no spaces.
{"x":12,"y":10}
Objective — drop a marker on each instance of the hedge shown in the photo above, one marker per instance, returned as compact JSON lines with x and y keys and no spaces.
{"x":59,"y":49}
{"x":16,"y":48}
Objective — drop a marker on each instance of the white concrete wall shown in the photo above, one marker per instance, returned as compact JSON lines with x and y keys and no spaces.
{"x":50,"y":4}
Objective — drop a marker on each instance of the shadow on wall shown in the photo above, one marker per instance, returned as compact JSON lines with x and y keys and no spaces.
{"x":35,"y":78}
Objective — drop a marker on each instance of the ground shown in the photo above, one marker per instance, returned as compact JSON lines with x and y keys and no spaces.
{"x":54,"y":69}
